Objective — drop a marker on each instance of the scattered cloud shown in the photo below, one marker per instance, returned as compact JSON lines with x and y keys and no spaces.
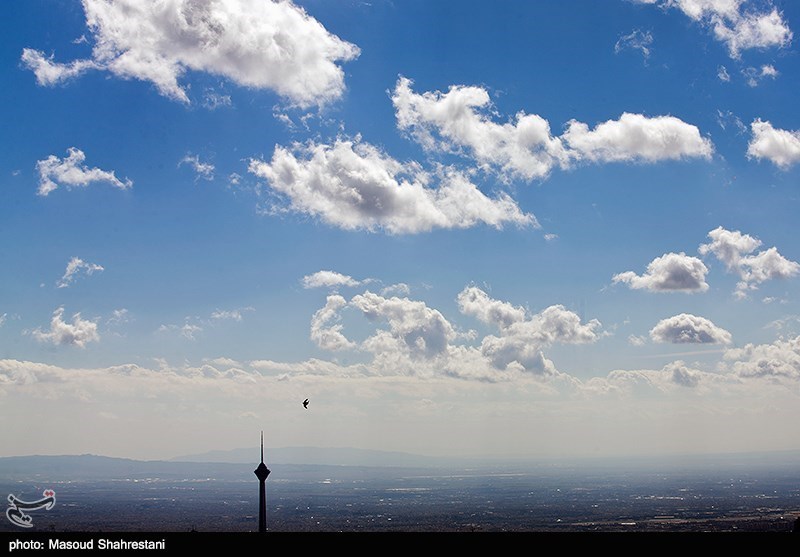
{"x":326,"y":335}
{"x":231,"y":315}
{"x":213,"y":100}
{"x":459,"y":121}
{"x":781,"y":147}
{"x":328,"y":279}
{"x":189,"y":331}
{"x":78,"y":333}
{"x":522,"y":336}
{"x":635,"y":40}
{"x":686,"y":328}
{"x":723,"y":75}
{"x":204,"y":170}
{"x":781,"y":359}
{"x":75,"y":267}
{"x":262,"y":44}
{"x":733,"y":24}
{"x":734,"y":249}
{"x":672,"y":272}
{"x":71,"y":172}
{"x":353,"y":185}
{"x":754,"y":76}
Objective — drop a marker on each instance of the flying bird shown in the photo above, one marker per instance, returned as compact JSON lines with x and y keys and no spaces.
{"x":305,"y":404}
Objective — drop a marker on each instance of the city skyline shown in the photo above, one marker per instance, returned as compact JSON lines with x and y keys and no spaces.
{"x":453,"y":228}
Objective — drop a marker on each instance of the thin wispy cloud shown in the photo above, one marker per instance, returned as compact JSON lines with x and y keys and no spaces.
{"x":75,"y":268}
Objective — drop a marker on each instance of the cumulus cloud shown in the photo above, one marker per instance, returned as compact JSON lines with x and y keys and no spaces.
{"x":635,"y":137}
{"x":459,"y":121}
{"x":686,"y":328}
{"x":734,"y":23}
{"x":781,"y":359}
{"x":78,"y":333}
{"x":474,"y":301}
{"x":328,"y":279}
{"x":734,"y":249}
{"x":353,"y":185}
{"x":71,"y":172}
{"x":263,"y":44}
{"x":419,"y":330}
{"x":522,"y":337}
{"x":781,"y":147}
{"x":75,"y":267}
{"x":672,"y":272}
{"x":326,"y":335}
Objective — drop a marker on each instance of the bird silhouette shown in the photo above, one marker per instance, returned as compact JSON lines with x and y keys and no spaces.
{"x":305,"y":404}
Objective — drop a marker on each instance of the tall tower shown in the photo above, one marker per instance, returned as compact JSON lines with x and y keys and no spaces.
{"x":261,"y":473}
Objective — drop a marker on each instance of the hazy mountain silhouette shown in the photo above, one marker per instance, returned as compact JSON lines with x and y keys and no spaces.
{"x":339,"y":456}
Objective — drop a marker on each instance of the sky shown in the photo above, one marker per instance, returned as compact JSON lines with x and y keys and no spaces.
{"x":459,"y":228}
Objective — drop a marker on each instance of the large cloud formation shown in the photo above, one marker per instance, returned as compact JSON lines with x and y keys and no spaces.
{"x":412,"y":338}
{"x":353,"y":185}
{"x":264,"y":44}
{"x":459,"y":121}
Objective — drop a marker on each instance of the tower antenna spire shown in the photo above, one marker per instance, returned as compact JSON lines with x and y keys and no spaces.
{"x":261,"y":473}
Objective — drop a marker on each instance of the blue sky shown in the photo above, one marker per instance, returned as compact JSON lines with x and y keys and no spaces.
{"x":458,"y":228}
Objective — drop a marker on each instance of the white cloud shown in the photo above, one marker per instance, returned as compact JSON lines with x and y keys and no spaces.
{"x":233,"y":314}
{"x":635,"y":340}
{"x":755,"y":75}
{"x":686,"y":328}
{"x":780,"y":359}
{"x":119,"y":316}
{"x":523,"y":336}
{"x":459,"y":122}
{"x":669,"y":273}
{"x":353,"y":185}
{"x":781,"y":147}
{"x":187,"y":330}
{"x":262,"y":44}
{"x":635,"y":40}
{"x":213,"y":100}
{"x":75,"y":266}
{"x":71,"y":171}
{"x":635,"y":137}
{"x":49,"y":73}
{"x":78,"y":333}
{"x":203,"y":169}
{"x":722,"y":74}
{"x":325,"y":335}
{"x":328,"y":279}
{"x":400,"y":288}
{"x":733,"y":249}
{"x":739,"y":28}
{"x":474,"y":301}
{"x":3,"y":319}
{"x":413,"y":326}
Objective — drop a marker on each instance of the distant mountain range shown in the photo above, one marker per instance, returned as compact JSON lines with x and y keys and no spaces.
{"x":238,"y":464}
{"x":341,"y":456}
